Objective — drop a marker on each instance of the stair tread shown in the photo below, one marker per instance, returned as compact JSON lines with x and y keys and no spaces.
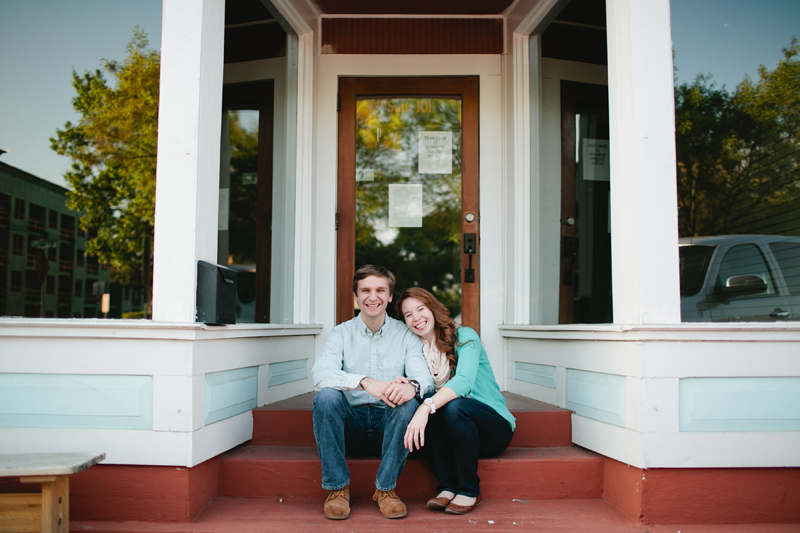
{"x":245,"y":515}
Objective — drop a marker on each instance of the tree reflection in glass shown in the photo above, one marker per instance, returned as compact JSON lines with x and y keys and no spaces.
{"x":387,"y":152}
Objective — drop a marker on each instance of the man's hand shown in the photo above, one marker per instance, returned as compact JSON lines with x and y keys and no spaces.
{"x":377,"y":388}
{"x":400,"y":393}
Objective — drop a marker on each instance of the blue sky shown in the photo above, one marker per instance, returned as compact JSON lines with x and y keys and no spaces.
{"x":41,"y":41}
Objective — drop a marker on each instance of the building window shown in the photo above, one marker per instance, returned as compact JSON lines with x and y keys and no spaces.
{"x":78,"y":288}
{"x":51,"y":253}
{"x":18,"y":244}
{"x":36,"y":217}
{"x":66,"y":260}
{"x":81,"y":233}
{"x":5,"y":208}
{"x":79,"y":257}
{"x":64,"y":294}
{"x":51,"y":285}
{"x":67,"y":227}
{"x":33,"y":289}
{"x":91,"y":264}
{"x":19,"y":209}
{"x":53,"y":221}
{"x":16,"y":280}
{"x":736,"y":144}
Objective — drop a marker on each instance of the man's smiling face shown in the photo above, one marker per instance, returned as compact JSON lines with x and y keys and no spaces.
{"x":373,"y":296}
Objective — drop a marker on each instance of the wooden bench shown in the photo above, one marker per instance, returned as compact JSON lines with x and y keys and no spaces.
{"x":47,"y":511}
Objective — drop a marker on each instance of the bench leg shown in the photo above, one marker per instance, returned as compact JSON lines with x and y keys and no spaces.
{"x":55,"y":505}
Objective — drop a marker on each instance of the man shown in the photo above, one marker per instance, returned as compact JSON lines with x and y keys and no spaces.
{"x":358,"y":410}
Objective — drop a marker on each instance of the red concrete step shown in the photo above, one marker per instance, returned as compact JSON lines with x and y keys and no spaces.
{"x":521,"y":473}
{"x":251,"y":515}
{"x":288,"y":423}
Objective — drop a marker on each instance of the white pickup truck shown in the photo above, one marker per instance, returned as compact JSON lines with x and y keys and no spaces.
{"x":740,"y":278}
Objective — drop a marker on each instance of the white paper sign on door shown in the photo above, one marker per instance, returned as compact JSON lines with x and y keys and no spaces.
{"x":436,"y":152}
{"x":595,"y":160}
{"x":405,"y":205}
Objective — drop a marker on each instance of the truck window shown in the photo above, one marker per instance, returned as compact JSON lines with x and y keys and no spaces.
{"x":745,"y":259}
{"x":788,"y":256}
{"x":695,"y":259}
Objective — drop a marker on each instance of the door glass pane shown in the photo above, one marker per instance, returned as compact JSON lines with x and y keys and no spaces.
{"x":592,"y":267}
{"x":408,"y":193}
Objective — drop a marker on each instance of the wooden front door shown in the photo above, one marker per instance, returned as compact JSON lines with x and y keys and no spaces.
{"x":408,"y":188}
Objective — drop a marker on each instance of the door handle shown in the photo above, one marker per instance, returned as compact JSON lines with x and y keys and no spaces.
{"x":470,"y":247}
{"x":779,"y":313}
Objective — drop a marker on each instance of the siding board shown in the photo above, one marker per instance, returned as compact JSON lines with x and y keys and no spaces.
{"x":412,"y":36}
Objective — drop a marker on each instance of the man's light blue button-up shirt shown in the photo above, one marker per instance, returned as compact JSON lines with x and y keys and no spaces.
{"x":352,"y":352}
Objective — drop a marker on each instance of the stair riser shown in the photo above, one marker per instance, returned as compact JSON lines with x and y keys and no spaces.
{"x":294,"y":428}
{"x":524,"y":480}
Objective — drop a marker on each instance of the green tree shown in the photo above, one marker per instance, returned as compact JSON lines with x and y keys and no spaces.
{"x":113,"y":152}
{"x":737,"y":153}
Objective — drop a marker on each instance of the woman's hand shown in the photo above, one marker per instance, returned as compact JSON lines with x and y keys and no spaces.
{"x":415,"y":432}
{"x":400,"y":379}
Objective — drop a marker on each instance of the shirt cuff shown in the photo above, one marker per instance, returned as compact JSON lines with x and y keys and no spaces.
{"x":354,"y":381}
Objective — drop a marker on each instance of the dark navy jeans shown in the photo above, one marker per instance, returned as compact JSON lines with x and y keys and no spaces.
{"x":456,"y":436}
{"x":340,"y":428}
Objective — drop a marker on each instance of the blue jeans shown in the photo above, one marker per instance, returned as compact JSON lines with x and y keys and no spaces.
{"x":340,"y":428}
{"x":456,"y":436}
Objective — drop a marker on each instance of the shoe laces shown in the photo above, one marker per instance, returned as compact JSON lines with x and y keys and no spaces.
{"x":335,"y":494}
{"x":382,"y":495}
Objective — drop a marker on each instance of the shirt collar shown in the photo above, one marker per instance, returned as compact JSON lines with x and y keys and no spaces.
{"x":365,"y":331}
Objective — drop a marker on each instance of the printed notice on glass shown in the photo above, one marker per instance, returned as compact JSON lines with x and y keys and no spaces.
{"x":595,"y":160}
{"x":405,"y":205}
{"x":365,"y":174}
{"x":436,"y":152}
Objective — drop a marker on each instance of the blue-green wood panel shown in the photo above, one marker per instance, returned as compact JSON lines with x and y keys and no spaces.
{"x":543,"y":375}
{"x":230,"y":392}
{"x":76,"y":401}
{"x":740,"y":404}
{"x":287,"y":371}
{"x":598,"y":396}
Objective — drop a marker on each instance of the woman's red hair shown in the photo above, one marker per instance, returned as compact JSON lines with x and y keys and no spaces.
{"x":445,"y":329}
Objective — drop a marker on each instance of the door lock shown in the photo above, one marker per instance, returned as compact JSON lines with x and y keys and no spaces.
{"x":470,"y":247}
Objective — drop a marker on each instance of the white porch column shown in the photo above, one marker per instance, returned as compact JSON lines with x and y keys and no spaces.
{"x":187,"y":174}
{"x":644,"y":207}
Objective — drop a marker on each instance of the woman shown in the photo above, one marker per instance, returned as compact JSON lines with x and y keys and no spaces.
{"x":467,"y":416}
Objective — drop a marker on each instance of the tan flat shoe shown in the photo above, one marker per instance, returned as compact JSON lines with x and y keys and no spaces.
{"x":454,"y":508}
{"x":438,"y":503}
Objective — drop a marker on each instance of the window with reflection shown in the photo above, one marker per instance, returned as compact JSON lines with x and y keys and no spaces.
{"x":70,"y":154}
{"x":255,"y":232}
{"x":737,"y":119}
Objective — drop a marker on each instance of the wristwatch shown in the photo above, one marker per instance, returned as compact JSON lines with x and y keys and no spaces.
{"x":414,"y":383}
{"x":429,"y":403}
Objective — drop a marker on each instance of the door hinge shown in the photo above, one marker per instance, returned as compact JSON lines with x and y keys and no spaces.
{"x":336,"y":222}
{"x":338,"y":102}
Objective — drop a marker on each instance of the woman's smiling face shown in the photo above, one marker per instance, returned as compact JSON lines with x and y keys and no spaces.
{"x":418,"y":317}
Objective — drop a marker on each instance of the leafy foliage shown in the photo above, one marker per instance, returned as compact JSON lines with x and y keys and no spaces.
{"x":113,"y":152}
{"x":387,"y":142}
{"x":738,"y":153}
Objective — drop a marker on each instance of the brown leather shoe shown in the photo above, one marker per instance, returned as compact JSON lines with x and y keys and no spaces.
{"x":389,"y":503}
{"x":337,"y":506}
{"x":454,"y":508}
{"x":438,"y":503}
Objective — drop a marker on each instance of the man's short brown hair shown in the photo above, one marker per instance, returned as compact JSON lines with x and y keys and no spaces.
{"x":373,"y":270}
